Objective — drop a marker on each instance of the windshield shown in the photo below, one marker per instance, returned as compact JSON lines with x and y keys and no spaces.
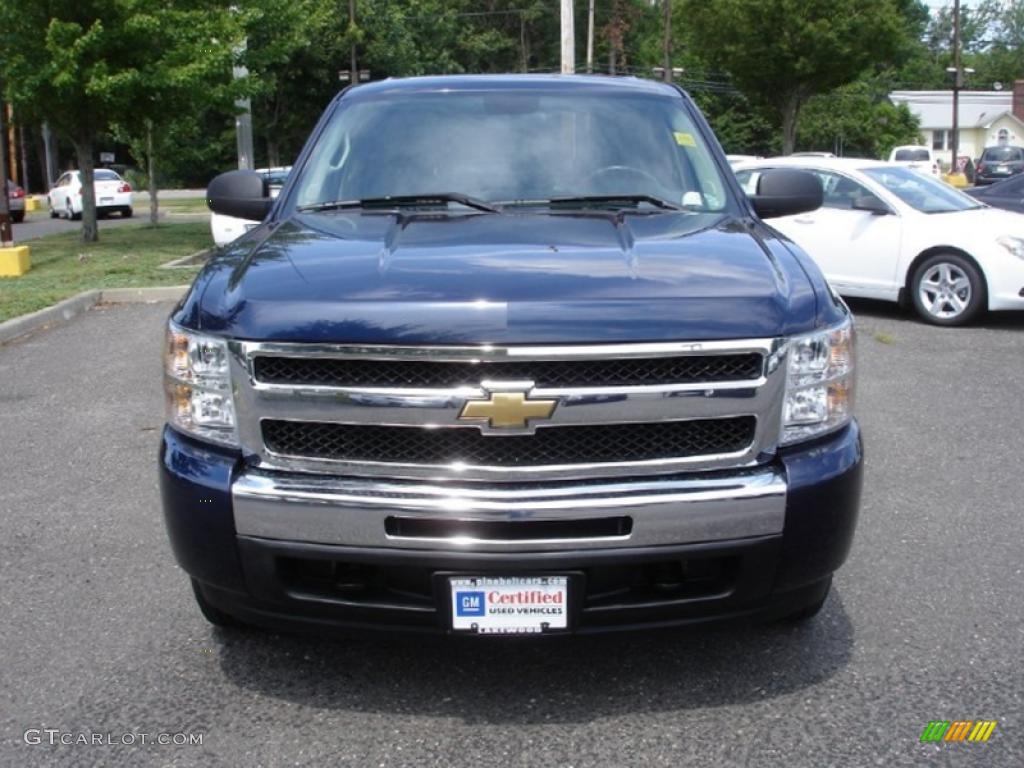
{"x":512,"y":147}
{"x":912,"y":155}
{"x":921,"y":192}
{"x":1003,"y":155}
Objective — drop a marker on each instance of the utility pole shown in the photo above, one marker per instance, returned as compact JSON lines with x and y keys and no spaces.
{"x":352,"y":51}
{"x":590,"y":36}
{"x":568,"y":39}
{"x":668,"y":40}
{"x":958,"y":83}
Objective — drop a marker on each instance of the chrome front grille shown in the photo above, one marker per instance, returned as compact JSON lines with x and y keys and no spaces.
{"x":621,"y":409}
{"x":575,"y":444}
{"x":611,"y":372}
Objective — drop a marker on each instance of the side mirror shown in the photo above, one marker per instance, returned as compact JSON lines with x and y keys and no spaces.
{"x":871,"y":204}
{"x":786,"y":192}
{"x":242,"y":194}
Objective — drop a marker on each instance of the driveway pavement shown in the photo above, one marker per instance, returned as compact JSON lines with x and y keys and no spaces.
{"x":926,"y":621}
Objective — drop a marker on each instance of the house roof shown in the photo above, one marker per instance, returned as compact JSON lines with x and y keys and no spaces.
{"x":1007,"y":114}
{"x":935,"y":108}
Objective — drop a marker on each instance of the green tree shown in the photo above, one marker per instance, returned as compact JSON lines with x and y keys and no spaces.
{"x":84,"y":66}
{"x":781,"y":53}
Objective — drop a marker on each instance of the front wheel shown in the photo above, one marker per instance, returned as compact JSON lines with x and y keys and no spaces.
{"x":947,"y":289}
{"x":212,"y":613}
{"x":808,"y":612}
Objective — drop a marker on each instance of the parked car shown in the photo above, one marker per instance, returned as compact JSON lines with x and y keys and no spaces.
{"x":113,"y":194}
{"x":737,"y":159}
{"x":506,"y":356}
{"x":886,"y":232}
{"x":916,"y":158}
{"x":15,"y":202}
{"x":228,"y":228}
{"x":997,"y":163}
{"x":1007,"y":194}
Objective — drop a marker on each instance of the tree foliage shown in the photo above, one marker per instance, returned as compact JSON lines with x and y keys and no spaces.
{"x":781,"y":53}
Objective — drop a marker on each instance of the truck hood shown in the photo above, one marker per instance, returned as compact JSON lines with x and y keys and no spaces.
{"x":367,"y":277}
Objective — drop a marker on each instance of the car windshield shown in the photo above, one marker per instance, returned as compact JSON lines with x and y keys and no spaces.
{"x":1003,"y":155}
{"x":912,"y":155}
{"x":513,"y":147}
{"x":921,"y":192}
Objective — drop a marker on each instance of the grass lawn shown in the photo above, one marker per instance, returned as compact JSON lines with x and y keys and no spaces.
{"x":174,"y":205}
{"x":124,"y":257}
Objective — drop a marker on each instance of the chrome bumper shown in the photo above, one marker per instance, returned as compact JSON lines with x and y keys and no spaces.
{"x":356,"y":512}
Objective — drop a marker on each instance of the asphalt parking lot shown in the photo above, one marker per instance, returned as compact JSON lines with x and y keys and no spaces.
{"x":926,"y":621}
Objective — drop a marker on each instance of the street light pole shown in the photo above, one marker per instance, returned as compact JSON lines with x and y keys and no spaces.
{"x":957,"y":85}
{"x":668,"y":41}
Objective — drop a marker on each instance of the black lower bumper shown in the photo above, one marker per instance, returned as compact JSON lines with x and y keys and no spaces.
{"x":289,"y":585}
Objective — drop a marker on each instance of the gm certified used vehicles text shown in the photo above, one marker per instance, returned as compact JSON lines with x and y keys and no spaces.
{"x":887,"y":232}
{"x":510,"y":355}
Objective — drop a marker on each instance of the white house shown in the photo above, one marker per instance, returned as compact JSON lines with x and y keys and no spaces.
{"x":987,"y":118}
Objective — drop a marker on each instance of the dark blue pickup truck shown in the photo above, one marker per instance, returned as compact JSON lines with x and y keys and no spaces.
{"x":510,"y":355}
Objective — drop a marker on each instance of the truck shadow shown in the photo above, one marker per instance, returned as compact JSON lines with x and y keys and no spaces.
{"x":569,"y":680}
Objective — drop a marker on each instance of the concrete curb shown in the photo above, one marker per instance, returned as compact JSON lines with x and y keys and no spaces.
{"x":192,"y":260}
{"x":67,"y":310}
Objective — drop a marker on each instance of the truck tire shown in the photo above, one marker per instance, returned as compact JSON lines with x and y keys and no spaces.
{"x":947,"y":289}
{"x":808,"y":612}
{"x":212,"y":613}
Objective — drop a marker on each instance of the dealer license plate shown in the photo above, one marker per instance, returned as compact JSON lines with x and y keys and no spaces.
{"x":509,"y":604}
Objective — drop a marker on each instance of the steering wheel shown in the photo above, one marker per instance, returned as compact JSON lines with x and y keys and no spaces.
{"x":622,"y":169}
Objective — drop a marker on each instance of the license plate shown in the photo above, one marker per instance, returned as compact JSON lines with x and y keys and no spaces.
{"x":509,"y":604}
{"x":106,"y":199}
{"x":1002,"y":169}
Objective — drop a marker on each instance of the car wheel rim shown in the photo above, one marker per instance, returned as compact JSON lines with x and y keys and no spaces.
{"x":945,"y":291}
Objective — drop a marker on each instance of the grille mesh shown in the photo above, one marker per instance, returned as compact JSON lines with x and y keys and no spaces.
{"x":606,"y":372}
{"x":549,"y":446}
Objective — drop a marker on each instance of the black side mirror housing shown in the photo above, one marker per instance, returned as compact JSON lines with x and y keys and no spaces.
{"x":871,"y":204}
{"x":242,"y":194}
{"x":786,"y":192}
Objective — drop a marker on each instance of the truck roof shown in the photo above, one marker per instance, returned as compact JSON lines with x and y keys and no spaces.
{"x":609,"y":85}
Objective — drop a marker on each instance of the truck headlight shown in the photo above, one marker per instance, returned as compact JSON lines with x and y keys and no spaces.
{"x":197,"y":383}
{"x":819,"y":383}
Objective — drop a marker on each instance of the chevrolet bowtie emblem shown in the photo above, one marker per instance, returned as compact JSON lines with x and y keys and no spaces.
{"x":508,"y":410}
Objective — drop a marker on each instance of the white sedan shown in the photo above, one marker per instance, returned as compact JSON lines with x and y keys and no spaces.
{"x":887,"y":232}
{"x":225,"y":229}
{"x":113,"y":194}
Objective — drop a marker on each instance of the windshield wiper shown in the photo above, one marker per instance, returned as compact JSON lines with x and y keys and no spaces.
{"x":657,"y":202}
{"x":395,"y":201}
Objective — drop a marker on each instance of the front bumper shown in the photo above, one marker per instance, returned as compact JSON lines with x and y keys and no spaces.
{"x":284,"y":551}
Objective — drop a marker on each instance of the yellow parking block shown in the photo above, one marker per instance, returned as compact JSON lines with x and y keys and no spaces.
{"x":14,"y":261}
{"x":32,"y":204}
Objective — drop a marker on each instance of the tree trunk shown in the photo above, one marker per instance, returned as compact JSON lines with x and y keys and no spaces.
{"x":790,"y":112}
{"x":273,"y":156}
{"x":83,"y":151}
{"x":154,"y":205}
